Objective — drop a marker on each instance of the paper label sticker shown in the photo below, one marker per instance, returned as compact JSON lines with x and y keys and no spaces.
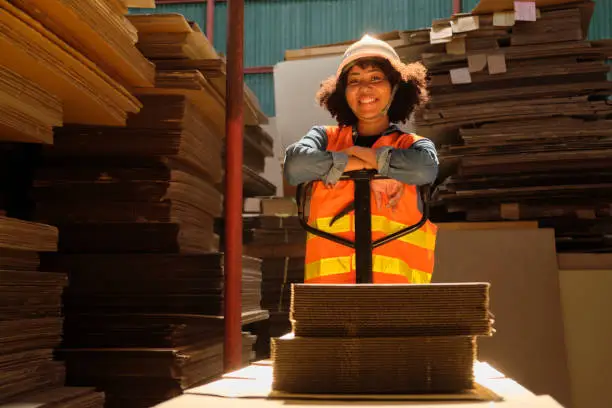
{"x":525,"y":11}
{"x":440,"y":34}
{"x":465,"y":24}
{"x":496,"y":63}
{"x":460,"y":76}
{"x":477,"y":62}
{"x":504,"y":18}
{"x":456,"y":47}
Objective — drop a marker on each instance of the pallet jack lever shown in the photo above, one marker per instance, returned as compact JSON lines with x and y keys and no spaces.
{"x":361,"y":204}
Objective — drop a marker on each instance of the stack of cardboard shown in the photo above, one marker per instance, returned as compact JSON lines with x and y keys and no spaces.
{"x":100,"y":31}
{"x":135,"y":207}
{"x":258,"y":145}
{"x":273,"y":233}
{"x":49,"y":43}
{"x":187,"y":64}
{"x":28,"y":113}
{"x":144,"y":327}
{"x":396,"y":339}
{"x":518,"y":104}
{"x":31,"y":321}
{"x":147,"y":187}
{"x":186,"y":61}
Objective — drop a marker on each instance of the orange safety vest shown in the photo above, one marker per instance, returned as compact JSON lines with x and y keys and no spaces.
{"x":409,"y":259}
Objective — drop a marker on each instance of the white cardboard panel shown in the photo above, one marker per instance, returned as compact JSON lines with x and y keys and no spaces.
{"x":521,"y":265}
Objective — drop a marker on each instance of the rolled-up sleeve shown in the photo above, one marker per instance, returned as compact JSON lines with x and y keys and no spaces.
{"x":308,"y":160}
{"x":416,"y":165}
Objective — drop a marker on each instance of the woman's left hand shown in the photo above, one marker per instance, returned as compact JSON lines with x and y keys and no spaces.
{"x":393,"y":190}
{"x":363,"y":153}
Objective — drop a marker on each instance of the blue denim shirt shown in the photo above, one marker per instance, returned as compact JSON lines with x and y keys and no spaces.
{"x":308,"y":160}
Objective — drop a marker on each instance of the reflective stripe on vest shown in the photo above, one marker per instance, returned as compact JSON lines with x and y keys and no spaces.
{"x":423,"y":237}
{"x":381,"y":266}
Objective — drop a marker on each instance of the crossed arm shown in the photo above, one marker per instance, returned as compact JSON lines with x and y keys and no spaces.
{"x":308,"y":160}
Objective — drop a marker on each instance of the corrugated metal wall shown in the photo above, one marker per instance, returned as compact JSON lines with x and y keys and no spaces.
{"x":272,"y":26}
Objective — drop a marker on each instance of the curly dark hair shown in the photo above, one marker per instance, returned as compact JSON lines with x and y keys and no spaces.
{"x":411,"y":93}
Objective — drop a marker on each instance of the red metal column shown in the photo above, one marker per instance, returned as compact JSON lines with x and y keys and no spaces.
{"x":233,"y":187}
{"x":456,"y":6}
{"x":210,"y":20}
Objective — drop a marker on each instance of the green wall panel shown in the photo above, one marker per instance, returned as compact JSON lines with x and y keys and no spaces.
{"x":263,"y":86}
{"x":601,"y":24}
{"x":272,"y":26}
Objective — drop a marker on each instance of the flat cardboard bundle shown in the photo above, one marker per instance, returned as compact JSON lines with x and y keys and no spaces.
{"x":168,"y":127}
{"x":138,"y":330}
{"x":161,"y":284}
{"x":128,"y":195}
{"x":17,"y":260}
{"x":64,"y":397}
{"x":371,"y":310}
{"x":120,"y":290}
{"x":178,"y":46}
{"x":27,"y":236}
{"x":156,"y":237}
{"x":258,"y":145}
{"x":374,"y":365}
{"x":142,"y":377}
{"x":99,"y":30}
{"x":29,"y":334}
{"x":30,"y":312}
{"x":382,"y":339}
{"x":29,"y":371}
{"x":255,"y":185}
{"x":28,"y":112}
{"x":148,"y":187}
{"x":88,"y":95}
{"x":28,"y":295}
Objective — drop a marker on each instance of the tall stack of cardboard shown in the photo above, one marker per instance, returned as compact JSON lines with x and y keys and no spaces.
{"x":133,"y":190}
{"x":272,"y":233}
{"x":187,"y":64}
{"x":519,"y":102}
{"x":31,"y":321}
{"x":390,"y":339}
{"x":62,"y":62}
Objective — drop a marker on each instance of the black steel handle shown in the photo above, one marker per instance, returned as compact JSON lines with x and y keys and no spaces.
{"x":303,"y":189}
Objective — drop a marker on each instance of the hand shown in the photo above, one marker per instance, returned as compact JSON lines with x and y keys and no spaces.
{"x":356,"y":164}
{"x":364,"y":154}
{"x":389,"y":189}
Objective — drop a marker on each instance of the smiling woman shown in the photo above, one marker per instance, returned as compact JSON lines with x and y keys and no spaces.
{"x":371,"y":92}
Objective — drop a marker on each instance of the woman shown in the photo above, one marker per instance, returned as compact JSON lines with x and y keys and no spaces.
{"x":371,"y":90}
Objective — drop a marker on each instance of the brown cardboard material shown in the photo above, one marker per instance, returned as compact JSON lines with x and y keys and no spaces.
{"x":460,"y":76}
{"x":496,"y":63}
{"x":456,"y":47}
{"x":477,"y":62}
{"x":491,"y":6}
{"x":521,"y":266}
{"x":588,"y":329}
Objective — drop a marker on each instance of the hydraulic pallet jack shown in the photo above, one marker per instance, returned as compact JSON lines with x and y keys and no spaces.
{"x":362,"y":244}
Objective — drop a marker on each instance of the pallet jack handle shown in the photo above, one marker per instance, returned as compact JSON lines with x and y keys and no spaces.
{"x":363,"y":244}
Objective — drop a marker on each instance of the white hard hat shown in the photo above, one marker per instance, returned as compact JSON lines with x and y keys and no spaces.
{"x":367,"y":47}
